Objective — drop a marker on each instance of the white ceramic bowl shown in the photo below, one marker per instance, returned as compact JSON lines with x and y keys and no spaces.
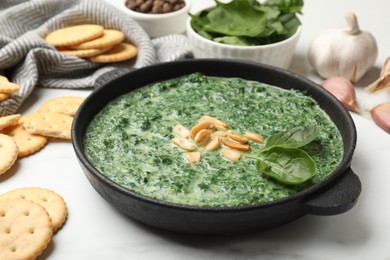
{"x":278,"y":54}
{"x":157,"y":25}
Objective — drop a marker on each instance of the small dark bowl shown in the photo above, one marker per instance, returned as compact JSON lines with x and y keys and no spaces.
{"x":334,"y":195}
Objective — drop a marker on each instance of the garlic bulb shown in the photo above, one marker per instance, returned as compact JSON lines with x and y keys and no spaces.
{"x":347,"y":52}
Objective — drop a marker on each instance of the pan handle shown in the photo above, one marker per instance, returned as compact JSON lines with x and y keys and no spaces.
{"x":337,"y":199}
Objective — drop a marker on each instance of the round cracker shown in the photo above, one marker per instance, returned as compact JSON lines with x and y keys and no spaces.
{"x":48,"y":124}
{"x":26,"y":142}
{"x":8,"y":152}
{"x":26,"y":229}
{"x":67,"y":105}
{"x":84,"y":53}
{"x":108,"y":39}
{"x":8,"y":87}
{"x":119,"y":52}
{"x":74,"y":34}
{"x":3,"y":79}
{"x":53,"y":203}
{"x":4,"y":96}
{"x":6,"y":121}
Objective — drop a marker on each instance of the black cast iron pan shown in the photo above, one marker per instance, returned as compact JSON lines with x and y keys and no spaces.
{"x":334,"y":195}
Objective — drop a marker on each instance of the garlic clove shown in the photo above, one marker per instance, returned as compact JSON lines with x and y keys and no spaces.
{"x":386,"y":68}
{"x":383,"y":82}
{"x":343,"y":90}
{"x":381,"y":116}
{"x":348,"y":52}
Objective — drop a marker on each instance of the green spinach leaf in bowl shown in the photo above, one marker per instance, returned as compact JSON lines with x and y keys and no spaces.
{"x":249,"y":22}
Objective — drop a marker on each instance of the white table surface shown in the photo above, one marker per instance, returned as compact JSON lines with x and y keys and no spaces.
{"x":95,"y":230}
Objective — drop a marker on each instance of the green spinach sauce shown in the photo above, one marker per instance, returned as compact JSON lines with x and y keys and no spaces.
{"x":129,"y":141}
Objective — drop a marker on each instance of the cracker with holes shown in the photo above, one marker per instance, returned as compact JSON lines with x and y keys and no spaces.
{"x":26,"y":142}
{"x":67,"y":105}
{"x":8,"y":87}
{"x":8,"y":153}
{"x":6,"y":121}
{"x":119,"y":52}
{"x":26,"y":229}
{"x":53,"y":203}
{"x":3,"y":79}
{"x":107,"y":40}
{"x":83,"y":53}
{"x":48,"y":124}
{"x":76,"y":34}
{"x":4,"y":96}
{"x":4,"y":83}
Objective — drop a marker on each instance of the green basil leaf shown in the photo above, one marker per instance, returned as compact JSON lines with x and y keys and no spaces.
{"x":293,"y":138}
{"x":290,"y":23}
{"x":233,"y":40}
{"x":198,"y":22}
{"x":287,"y":165}
{"x":237,"y":18}
{"x":270,"y":12}
{"x":286,"y":6}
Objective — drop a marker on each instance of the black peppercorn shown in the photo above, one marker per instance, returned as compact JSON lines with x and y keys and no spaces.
{"x":155,"y":6}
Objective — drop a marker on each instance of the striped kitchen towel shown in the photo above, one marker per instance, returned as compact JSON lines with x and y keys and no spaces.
{"x":27,"y":60}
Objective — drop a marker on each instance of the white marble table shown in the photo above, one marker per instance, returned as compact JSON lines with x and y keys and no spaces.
{"x":94,"y":230}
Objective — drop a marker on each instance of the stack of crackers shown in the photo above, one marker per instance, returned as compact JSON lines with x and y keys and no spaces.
{"x":21,"y":136}
{"x":7,"y":88}
{"x":28,"y":219}
{"x":93,"y":42}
